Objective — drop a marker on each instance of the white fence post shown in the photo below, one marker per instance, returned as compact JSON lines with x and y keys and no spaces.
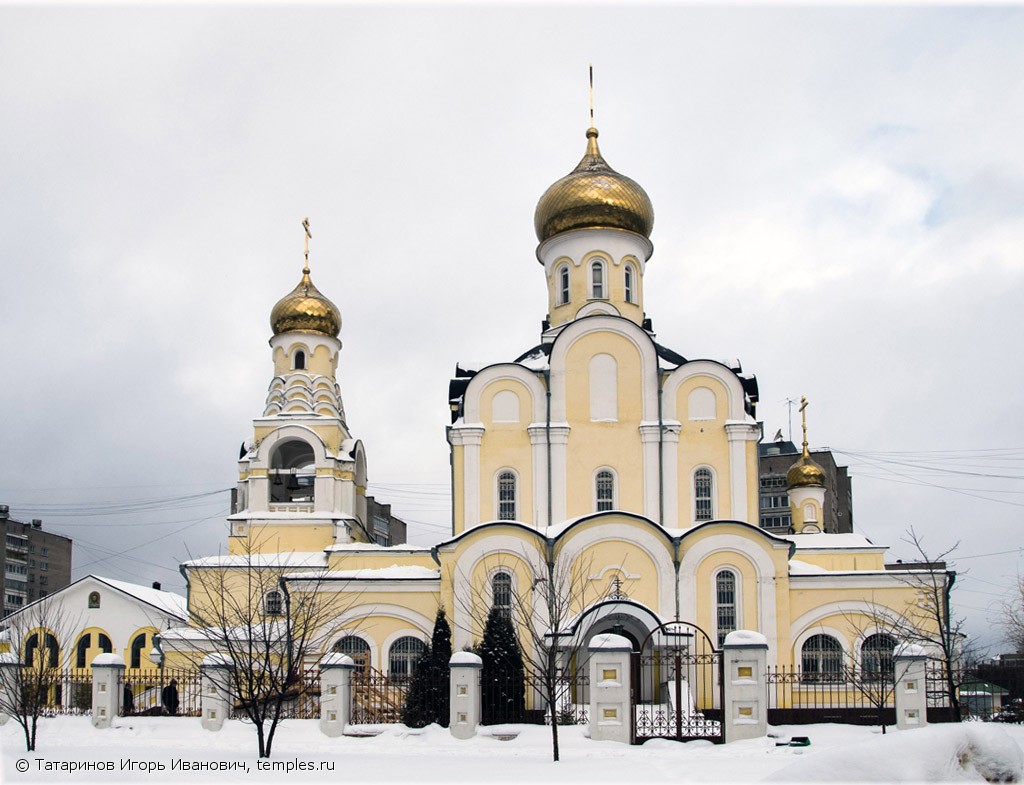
{"x":911,"y":698}
{"x":610,"y":677}
{"x":215,"y":690}
{"x":745,"y":709}
{"x":464,"y":693}
{"x":107,"y":672}
{"x":335,"y":693}
{"x":9,"y":681}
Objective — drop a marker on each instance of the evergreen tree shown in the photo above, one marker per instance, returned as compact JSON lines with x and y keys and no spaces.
{"x":427,"y":700}
{"x":502,"y":680}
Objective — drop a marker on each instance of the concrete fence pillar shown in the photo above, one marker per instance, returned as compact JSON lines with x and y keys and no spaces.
{"x":335,"y":693}
{"x":745,"y":673}
{"x":911,"y":696}
{"x":215,"y":690}
{"x":9,"y":682}
{"x":610,"y":683}
{"x":464,"y":693}
{"x":107,"y":675}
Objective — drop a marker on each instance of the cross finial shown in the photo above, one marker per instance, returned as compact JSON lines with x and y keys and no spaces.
{"x":803,"y":412}
{"x":305,"y":227}
{"x":591,"y":95}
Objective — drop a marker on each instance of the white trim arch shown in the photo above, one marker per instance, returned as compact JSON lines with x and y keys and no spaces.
{"x":764,"y":571}
{"x":734,"y":388}
{"x":502,"y":372}
{"x":286,"y":433}
{"x":388,"y":642}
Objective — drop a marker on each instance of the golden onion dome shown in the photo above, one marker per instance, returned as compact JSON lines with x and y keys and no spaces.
{"x":805,"y":473}
{"x":305,"y":309}
{"x":593,"y":196}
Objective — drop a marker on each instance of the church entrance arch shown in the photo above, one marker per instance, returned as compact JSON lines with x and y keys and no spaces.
{"x":678,"y":692}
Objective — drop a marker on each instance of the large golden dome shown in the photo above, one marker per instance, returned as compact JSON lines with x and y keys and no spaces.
{"x":805,"y":473}
{"x":305,"y":309}
{"x":593,"y":196}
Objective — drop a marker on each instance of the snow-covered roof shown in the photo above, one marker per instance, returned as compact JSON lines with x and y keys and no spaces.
{"x":296,"y":559}
{"x":797,"y":567}
{"x":831,"y":542}
{"x":372,"y":547}
{"x":536,"y":360}
{"x":394,"y":572}
{"x":167,"y":601}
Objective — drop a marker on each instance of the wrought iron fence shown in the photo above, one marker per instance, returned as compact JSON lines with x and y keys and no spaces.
{"x":376,"y":698}
{"x":851,"y":696}
{"x":161,"y":691}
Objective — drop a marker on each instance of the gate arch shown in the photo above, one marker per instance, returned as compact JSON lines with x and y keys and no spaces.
{"x":678,"y":690}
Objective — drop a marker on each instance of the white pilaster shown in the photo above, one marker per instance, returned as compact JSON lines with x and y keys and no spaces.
{"x":470,"y":437}
{"x":738,"y":434}
{"x":538,"y":443}
{"x":559,"y":450}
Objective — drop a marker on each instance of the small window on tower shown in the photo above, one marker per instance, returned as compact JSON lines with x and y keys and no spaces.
{"x":563,"y":285}
{"x":300,"y":360}
{"x":630,"y":284}
{"x":597,"y":280}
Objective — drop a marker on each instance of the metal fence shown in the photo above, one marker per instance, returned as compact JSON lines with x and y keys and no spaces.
{"x":376,"y":698}
{"x":161,"y":692}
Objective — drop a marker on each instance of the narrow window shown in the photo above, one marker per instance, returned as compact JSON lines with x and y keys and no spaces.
{"x":605,"y":490}
{"x":506,"y":496}
{"x":501,"y":589}
{"x":53,"y":651}
{"x":563,"y":285}
{"x":702,"y":495}
{"x":402,"y":659}
{"x":272,"y":603}
{"x":725,"y":601}
{"x":138,"y":644}
{"x":300,"y":360}
{"x":83,"y":647}
{"x":597,"y":280}
{"x":630,"y":294}
{"x":821,"y":659}
{"x":30,"y":649}
{"x":104,"y":643}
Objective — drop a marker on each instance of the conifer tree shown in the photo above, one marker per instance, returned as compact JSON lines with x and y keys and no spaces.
{"x":427,"y":700}
{"x":502,"y":680}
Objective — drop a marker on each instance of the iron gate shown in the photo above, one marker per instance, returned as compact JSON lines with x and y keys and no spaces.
{"x":677,"y":686}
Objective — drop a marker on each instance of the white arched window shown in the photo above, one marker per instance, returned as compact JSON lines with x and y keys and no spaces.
{"x":402,"y":658}
{"x":821,"y":659}
{"x":597,"y":282}
{"x":501,"y":593}
{"x":703,"y":495}
{"x":505,"y":407}
{"x":725,"y":604}
{"x":300,"y":360}
{"x":507,"y":496}
{"x":629,"y":283}
{"x":604,"y":388}
{"x":563,"y":284}
{"x":604,"y":490}
{"x":876,"y":657}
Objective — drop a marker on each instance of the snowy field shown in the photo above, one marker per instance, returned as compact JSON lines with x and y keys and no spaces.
{"x":837,"y":753}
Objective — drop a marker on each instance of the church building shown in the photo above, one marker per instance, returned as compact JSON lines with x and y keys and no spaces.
{"x":600,"y":458}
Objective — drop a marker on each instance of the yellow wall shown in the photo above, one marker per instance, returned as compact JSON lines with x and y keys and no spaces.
{"x":705,"y":443}
{"x":506,"y":445}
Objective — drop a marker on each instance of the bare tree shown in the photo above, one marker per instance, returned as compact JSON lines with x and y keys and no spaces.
{"x":37,"y":636}
{"x":268,"y":616}
{"x":1012,"y":617}
{"x":542,"y":608}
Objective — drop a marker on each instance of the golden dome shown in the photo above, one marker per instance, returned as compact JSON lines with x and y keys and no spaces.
{"x":305,"y":309}
{"x":593,"y":196}
{"x":805,"y":473}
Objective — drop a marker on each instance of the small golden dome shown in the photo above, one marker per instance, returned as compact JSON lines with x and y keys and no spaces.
{"x":805,"y":473}
{"x":593,"y":196}
{"x":305,"y":309}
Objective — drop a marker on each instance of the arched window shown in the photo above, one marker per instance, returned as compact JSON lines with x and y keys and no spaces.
{"x":356,"y":648}
{"x":821,"y":659}
{"x":82,"y":649}
{"x":104,"y":643}
{"x":703,"y":490}
{"x":52,"y":651}
{"x":137,"y":647}
{"x":507,"y":496}
{"x":31,"y":646}
{"x":403,"y":656}
{"x":604,"y":490}
{"x":597,"y":280}
{"x":292,"y":471}
{"x":94,"y":599}
{"x":630,"y":284}
{"x":501,"y":591}
{"x":876,"y":661}
{"x":725,"y":604}
{"x":273,"y":603}
{"x":563,"y":284}
{"x":300,"y":360}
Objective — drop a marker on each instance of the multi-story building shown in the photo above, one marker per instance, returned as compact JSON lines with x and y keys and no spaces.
{"x":35,"y":562}
{"x":384,"y":528}
{"x":774,"y":459}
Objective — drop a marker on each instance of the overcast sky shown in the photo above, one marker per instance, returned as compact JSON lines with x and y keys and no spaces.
{"x":839,"y":200}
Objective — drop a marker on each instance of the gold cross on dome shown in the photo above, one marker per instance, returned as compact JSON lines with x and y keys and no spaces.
{"x":305,"y":227}
{"x":803,"y":412}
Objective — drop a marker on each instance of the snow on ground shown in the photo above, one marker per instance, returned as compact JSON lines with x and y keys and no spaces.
{"x":837,"y":753}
